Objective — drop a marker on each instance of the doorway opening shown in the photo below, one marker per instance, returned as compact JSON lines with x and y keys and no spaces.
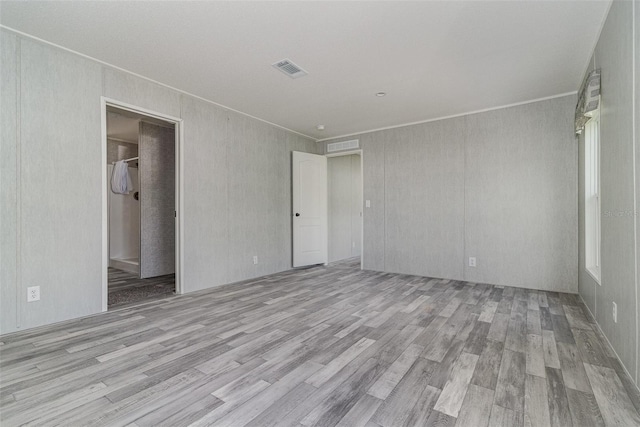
{"x":140,"y":206}
{"x":345,"y":207}
{"x":327,"y":217}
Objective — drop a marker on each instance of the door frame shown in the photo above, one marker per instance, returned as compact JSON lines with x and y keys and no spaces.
{"x":361,"y":154}
{"x":106,"y":102}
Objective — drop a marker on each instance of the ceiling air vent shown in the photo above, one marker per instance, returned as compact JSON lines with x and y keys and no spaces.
{"x":290,"y":69}
{"x":344,"y":145}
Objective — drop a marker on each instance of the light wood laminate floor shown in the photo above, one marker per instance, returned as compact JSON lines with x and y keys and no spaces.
{"x":323,"y":346}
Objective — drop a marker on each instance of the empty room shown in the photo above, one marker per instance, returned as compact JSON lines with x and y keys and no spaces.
{"x":374,"y":214}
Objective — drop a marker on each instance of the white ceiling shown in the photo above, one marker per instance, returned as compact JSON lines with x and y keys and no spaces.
{"x":433,"y":59}
{"x":122,"y":127}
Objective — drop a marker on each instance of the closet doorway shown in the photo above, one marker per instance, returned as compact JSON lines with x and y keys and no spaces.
{"x":140,"y":206}
{"x":345,"y":207}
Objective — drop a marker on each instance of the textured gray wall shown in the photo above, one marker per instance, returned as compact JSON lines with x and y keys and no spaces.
{"x":636,"y":21}
{"x":500,"y":186}
{"x":51,"y":215}
{"x":119,"y":150}
{"x":373,"y":247}
{"x":344,"y":206}
{"x":206,"y":223}
{"x":240,"y":203}
{"x":157,"y":200}
{"x":8,"y":181}
{"x":614,"y":55}
{"x":142,"y":93}
{"x":357,"y":205}
{"x":521,"y":195}
{"x":424,"y":199}
{"x":60,"y":207}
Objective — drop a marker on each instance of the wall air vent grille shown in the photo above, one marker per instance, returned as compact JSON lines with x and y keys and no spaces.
{"x":289,"y":68}
{"x":354,"y":144}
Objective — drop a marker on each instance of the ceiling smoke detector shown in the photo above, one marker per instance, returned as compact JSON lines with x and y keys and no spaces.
{"x":381,"y":94}
{"x":289,"y":68}
{"x":320,"y":127}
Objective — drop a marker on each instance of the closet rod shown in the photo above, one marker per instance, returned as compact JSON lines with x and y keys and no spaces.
{"x":126,"y":160}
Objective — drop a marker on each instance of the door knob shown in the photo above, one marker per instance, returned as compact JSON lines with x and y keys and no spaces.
{"x":297,"y":214}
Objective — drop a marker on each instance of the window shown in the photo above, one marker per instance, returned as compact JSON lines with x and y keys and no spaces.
{"x":592,"y":195}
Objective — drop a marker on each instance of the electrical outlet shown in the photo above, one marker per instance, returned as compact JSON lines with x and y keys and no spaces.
{"x":255,"y":259}
{"x":615,"y":312}
{"x":33,"y":293}
{"x":472,"y":261}
{"x":367,"y":203}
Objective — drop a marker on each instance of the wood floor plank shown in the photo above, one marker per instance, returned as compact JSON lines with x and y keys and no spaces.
{"x":532,"y":301}
{"x":550,"y":350}
{"x":438,"y":419}
{"x":198,"y":391}
{"x":573,"y":372}
{"x":555,"y":305}
{"x":388,"y":351}
{"x":360,"y":414}
{"x":453,"y":393}
{"x":499,"y":326}
{"x":632,"y":390}
{"x":516,"y":334}
{"x":503,"y":417}
{"x":533,"y":322}
{"x":397,"y":406}
{"x":535,"y":356}
{"x":510,"y":386}
{"x":421,"y":299}
{"x":441,"y":342}
{"x":584,"y":409}
{"x":421,"y":411}
{"x":339,"y":362}
{"x":56,"y":407}
{"x":246,"y":412}
{"x":561,"y":329}
{"x":536,"y":407}
{"x":590,"y":347}
{"x":135,"y":406}
{"x":337,"y":404}
{"x":273,"y":415}
{"x":431,"y":330}
{"x":504,"y":306}
{"x":73,"y":417}
{"x":450,"y":308}
{"x":387,"y":382}
{"x":231,"y":403}
{"x":576,"y":318}
{"x":542,"y":300}
{"x":488,"y":311}
{"x":192,"y":412}
{"x":476,"y":408}
{"x":477,"y":338}
{"x":558,"y":403}
{"x":488,"y":366}
{"x":614,"y":403}
{"x":546,"y":321}
{"x":360,"y":373}
{"x":440,"y":376}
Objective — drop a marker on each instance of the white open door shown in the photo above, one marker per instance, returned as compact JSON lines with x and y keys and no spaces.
{"x":309,"y":209}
